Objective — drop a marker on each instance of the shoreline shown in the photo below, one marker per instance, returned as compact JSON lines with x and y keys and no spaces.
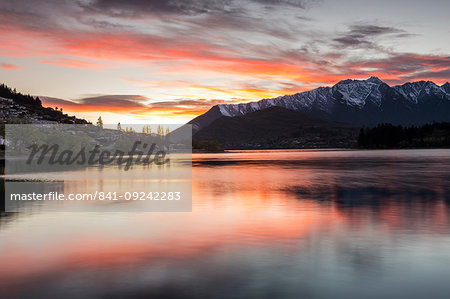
{"x":2,"y":157}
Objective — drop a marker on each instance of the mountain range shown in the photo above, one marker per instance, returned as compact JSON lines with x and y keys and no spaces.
{"x":357,"y":102}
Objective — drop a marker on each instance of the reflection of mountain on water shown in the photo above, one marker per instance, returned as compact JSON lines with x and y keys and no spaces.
{"x":371,"y":195}
{"x":397,"y":207}
{"x":397,"y":187}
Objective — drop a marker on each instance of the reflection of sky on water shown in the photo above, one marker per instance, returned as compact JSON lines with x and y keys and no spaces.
{"x":313,"y":224}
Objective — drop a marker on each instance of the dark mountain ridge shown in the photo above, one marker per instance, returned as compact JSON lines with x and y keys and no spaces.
{"x":358,"y":102}
{"x":277,"y":127}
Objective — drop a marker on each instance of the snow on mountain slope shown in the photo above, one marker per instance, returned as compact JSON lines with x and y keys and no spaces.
{"x":446,"y":87}
{"x":363,"y":102}
{"x":356,"y":92}
{"x":413,"y":91}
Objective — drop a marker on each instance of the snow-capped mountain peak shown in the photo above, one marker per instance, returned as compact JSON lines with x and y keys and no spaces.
{"x":364,"y":102}
{"x":357,"y":92}
{"x":414,"y":91}
{"x":375,"y":80}
{"x":446,"y":87}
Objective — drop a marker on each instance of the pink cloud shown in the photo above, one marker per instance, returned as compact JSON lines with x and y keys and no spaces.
{"x":74,"y":63}
{"x":8,"y":66}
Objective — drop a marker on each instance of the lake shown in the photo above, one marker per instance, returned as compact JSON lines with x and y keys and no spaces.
{"x":264,"y":224}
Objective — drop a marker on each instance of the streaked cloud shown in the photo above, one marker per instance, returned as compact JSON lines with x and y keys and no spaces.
{"x":8,"y":66}
{"x":366,"y":35}
{"x":74,"y":63}
{"x":126,"y":103}
{"x":133,"y":104}
{"x":133,"y":8}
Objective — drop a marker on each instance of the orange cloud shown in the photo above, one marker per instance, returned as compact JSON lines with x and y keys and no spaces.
{"x":187,"y":54}
{"x":75,"y":63}
{"x":135,"y":105}
{"x":8,"y":66}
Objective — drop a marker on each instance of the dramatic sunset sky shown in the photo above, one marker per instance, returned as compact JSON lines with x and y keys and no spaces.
{"x":168,"y":61}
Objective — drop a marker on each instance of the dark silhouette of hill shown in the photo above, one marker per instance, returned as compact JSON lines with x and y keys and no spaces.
{"x":277,"y":127}
{"x":19,"y":98}
{"x":20,"y":108}
{"x":390,"y":136}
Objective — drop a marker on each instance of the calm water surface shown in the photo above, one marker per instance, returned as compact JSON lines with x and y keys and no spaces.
{"x":265,"y":224}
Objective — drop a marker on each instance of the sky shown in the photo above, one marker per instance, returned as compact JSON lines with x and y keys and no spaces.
{"x":139,"y":61}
